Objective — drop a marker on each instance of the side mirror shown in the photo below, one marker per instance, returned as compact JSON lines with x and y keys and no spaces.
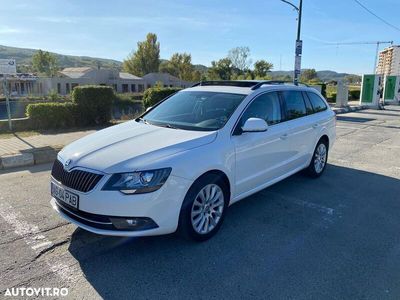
{"x":150,"y":107}
{"x":255,"y":125}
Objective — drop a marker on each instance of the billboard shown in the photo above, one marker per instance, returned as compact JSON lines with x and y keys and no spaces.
{"x":8,"y":66}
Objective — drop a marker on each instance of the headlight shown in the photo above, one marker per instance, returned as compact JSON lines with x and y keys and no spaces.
{"x":137,"y":182}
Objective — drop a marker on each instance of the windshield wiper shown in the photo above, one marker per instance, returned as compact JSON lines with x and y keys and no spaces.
{"x":144,"y":121}
{"x":167,"y":126}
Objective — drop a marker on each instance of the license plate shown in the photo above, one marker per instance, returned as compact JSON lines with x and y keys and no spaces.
{"x":64,"y":195}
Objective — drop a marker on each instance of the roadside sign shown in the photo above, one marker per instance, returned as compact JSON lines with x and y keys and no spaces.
{"x":371,"y":90}
{"x":8,"y":66}
{"x":297,"y":64}
{"x":390,"y":88}
{"x":299,"y":47}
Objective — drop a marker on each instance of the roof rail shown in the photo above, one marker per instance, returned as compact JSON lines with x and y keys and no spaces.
{"x":238,"y":83}
{"x":261,"y":83}
{"x":253,"y":84}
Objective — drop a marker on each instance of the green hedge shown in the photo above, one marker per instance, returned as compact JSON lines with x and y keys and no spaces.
{"x":155,"y":94}
{"x":94,"y":103}
{"x":354,"y":94}
{"x":52,"y":115}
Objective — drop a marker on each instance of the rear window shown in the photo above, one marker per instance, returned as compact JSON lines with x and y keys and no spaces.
{"x":295,"y":107}
{"x":316,"y":101}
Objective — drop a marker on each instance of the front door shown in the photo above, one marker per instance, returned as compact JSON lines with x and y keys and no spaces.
{"x":261,"y":156}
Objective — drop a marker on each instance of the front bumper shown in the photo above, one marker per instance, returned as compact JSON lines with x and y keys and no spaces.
{"x":99,"y":211}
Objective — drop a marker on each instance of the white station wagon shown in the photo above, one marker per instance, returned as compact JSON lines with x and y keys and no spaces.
{"x":184,"y":161}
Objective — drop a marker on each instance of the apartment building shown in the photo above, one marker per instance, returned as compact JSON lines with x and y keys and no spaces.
{"x":389,"y":61}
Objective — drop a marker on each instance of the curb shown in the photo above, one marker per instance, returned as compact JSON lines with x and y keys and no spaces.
{"x":348,"y":109}
{"x":29,"y":158}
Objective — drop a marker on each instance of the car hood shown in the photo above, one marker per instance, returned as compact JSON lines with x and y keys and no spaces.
{"x":129,"y":146}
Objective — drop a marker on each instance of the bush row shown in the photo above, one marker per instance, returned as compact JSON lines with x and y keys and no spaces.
{"x":53,"y":115}
{"x":91,"y":105}
{"x":155,"y":94}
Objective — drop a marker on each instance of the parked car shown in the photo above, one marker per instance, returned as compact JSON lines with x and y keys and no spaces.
{"x":185,"y":160}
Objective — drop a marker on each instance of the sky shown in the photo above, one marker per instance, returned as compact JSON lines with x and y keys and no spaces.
{"x":206,"y":29}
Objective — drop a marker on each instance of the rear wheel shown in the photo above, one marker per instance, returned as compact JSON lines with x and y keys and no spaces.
{"x":318,"y":162}
{"x":204,"y":208}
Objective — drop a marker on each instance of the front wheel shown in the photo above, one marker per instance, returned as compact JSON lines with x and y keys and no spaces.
{"x":318,"y":162}
{"x":204,"y":208}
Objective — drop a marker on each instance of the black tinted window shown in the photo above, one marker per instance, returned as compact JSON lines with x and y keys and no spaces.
{"x":295,"y":107}
{"x":267,"y":107}
{"x":309,"y":107}
{"x":317,"y":102}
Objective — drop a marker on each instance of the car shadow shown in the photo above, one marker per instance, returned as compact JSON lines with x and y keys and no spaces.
{"x":272,"y":244}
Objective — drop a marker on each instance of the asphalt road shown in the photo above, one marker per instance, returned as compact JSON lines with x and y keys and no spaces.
{"x":336,"y":237}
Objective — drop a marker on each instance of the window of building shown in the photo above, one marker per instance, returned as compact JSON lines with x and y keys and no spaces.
{"x":115,"y":87}
{"x":133,"y":88}
{"x":125,"y":88}
{"x":74,"y":85}
{"x":140,"y":88}
{"x":295,"y":107}
{"x":59,"y":88}
{"x":67,"y":89}
{"x":317,"y":102}
{"x":149,"y":86}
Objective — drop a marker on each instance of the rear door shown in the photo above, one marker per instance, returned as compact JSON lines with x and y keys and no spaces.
{"x":301,"y":131}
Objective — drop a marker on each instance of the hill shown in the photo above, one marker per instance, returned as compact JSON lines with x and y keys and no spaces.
{"x":23,"y":57}
{"x":324,"y":75}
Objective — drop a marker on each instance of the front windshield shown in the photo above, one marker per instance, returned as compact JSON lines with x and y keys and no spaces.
{"x":204,"y":111}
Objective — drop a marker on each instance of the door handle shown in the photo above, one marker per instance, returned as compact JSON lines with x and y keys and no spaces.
{"x":284,"y":136}
{"x":316,"y":125}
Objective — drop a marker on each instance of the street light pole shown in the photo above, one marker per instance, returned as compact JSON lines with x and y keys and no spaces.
{"x":299,"y":42}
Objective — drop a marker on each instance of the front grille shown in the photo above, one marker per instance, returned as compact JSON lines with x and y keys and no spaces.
{"x":78,"y":180}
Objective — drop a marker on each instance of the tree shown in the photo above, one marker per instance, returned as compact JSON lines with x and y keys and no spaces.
{"x":308,"y":75}
{"x":351,"y":79}
{"x":220,"y":70}
{"x":240,"y":58}
{"x":167,"y":67}
{"x":261,"y":68}
{"x":183,"y":63}
{"x":44,"y":62}
{"x":146,"y":59}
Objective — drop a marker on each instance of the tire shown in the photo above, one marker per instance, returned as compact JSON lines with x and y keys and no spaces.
{"x":194,"y":209}
{"x":319,"y":160}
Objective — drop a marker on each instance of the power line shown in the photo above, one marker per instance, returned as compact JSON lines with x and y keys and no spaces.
{"x":378,"y":17}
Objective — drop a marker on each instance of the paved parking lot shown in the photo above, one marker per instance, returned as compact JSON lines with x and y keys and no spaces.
{"x":336,"y":237}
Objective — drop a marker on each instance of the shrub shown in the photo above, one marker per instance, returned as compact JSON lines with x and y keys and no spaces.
{"x":155,"y":94}
{"x":94,"y":103}
{"x":52,"y":115}
{"x":332,"y":97}
{"x":354,"y":94}
{"x":53,"y":96}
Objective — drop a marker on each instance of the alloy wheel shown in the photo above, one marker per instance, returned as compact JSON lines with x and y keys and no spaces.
{"x":320,"y":158}
{"x":207,"y":208}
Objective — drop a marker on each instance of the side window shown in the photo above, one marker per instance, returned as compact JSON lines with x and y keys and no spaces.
{"x":295,"y":107}
{"x":266,"y":106}
{"x":309,"y":107}
{"x":317,"y":102}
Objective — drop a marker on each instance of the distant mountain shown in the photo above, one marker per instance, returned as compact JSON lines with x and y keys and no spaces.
{"x":324,"y":75}
{"x":23,"y":57}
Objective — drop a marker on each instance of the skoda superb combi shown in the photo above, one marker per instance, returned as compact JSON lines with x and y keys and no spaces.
{"x":184,"y":161}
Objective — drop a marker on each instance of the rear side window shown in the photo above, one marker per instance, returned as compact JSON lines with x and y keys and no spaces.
{"x":267,"y":107}
{"x":317,"y":102}
{"x":295,"y":106}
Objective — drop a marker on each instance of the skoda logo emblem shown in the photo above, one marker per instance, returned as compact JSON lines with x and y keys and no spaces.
{"x":67,"y":163}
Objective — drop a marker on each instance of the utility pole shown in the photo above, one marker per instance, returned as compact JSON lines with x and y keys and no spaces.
{"x":299,"y":42}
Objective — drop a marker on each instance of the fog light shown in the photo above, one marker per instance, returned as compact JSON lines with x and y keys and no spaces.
{"x":134,"y":224}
